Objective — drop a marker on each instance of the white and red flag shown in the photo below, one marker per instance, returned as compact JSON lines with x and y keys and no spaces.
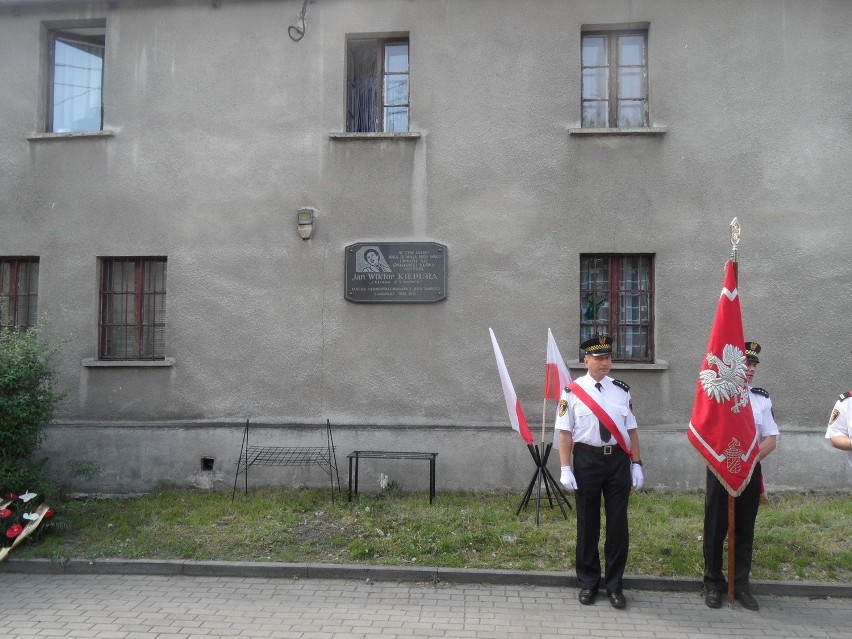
{"x":556,"y":375}
{"x":513,"y":406}
{"x":722,"y":426}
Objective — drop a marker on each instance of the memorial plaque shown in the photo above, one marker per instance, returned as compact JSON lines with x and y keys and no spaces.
{"x":396,"y":272}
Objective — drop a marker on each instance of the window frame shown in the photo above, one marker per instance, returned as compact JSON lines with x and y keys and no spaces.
{"x":141,"y":293}
{"x":380,"y":76}
{"x":612,"y":67}
{"x":614,"y":326}
{"x":88,"y":32}
{"x":14,"y":294}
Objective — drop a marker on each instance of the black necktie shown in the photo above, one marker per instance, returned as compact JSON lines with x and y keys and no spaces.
{"x":604,"y":432}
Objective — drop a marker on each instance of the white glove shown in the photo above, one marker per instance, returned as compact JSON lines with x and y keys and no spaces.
{"x":567,"y":478}
{"x":638,"y":476}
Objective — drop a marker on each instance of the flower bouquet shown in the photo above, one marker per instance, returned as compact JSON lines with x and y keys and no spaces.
{"x":20,"y":515}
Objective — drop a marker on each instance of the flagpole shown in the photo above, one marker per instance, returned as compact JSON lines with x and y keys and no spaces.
{"x":540,"y":477}
{"x":543,"y":413}
{"x":735,"y":240}
{"x":542,"y":453}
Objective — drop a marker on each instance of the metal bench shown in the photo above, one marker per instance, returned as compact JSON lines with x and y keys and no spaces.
{"x":322,"y":456}
{"x":358,"y":455}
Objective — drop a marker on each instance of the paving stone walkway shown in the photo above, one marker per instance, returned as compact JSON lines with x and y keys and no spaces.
{"x":113,"y":606}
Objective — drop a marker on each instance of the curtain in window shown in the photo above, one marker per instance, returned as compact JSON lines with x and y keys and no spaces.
{"x":27,"y":311}
{"x":154,"y":310}
{"x":594,"y":289}
{"x":119,"y":308}
{"x":361,"y":99}
{"x":634,"y":310}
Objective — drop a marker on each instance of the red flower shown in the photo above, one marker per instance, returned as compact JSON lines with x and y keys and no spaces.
{"x":49,"y":513}
{"x":14,"y":531}
{"x":10,"y":496}
{"x":5,"y":512}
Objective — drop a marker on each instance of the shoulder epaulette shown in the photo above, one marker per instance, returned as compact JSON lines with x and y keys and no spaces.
{"x":622,"y":385}
{"x":760,"y":391}
{"x":845,"y":395}
{"x":567,"y":389}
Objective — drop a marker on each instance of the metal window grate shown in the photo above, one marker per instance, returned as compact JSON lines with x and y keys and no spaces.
{"x":18,"y":292}
{"x":133,"y":308}
{"x":617,"y":299}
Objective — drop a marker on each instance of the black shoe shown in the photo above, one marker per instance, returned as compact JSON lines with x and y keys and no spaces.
{"x":618,"y":600}
{"x":713,"y":599}
{"x":587,"y":596}
{"x":748,"y":602}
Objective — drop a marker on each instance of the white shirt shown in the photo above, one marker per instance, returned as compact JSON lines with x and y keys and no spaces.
{"x":840,"y":422}
{"x":764,"y":420}
{"x":578,"y":419}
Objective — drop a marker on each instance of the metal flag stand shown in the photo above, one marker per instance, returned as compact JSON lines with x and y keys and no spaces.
{"x":542,"y":475}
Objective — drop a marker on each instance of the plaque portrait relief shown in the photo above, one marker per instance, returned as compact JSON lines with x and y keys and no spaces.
{"x":369,"y":259}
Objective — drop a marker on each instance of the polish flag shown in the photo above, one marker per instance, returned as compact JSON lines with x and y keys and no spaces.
{"x":556,"y":375}
{"x":513,"y":406}
{"x":722,"y":427}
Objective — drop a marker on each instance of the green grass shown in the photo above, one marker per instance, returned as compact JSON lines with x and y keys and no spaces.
{"x":799,"y":535}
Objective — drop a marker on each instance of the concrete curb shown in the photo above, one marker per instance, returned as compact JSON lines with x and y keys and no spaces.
{"x":272,"y":570}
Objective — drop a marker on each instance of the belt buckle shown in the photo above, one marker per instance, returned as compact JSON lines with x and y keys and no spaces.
{"x":607,"y":450}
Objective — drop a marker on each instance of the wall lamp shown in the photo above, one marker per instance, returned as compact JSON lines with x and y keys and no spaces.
{"x":305,"y":218}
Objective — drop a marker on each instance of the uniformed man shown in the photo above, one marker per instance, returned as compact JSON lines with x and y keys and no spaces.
{"x":596,"y":423}
{"x":839,"y":431}
{"x":745,"y":505}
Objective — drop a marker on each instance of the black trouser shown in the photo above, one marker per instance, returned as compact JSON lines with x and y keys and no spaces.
{"x":608,"y":476}
{"x":716,"y":529}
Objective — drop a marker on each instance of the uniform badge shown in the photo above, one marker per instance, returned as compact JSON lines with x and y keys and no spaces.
{"x":563,"y":407}
{"x":834,"y":415}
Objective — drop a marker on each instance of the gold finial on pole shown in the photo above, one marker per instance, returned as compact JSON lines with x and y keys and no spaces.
{"x":736,"y":230}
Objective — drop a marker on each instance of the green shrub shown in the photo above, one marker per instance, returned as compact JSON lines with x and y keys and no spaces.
{"x":28,"y":401}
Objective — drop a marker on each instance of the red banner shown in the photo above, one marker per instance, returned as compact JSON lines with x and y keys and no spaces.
{"x":722,"y":427}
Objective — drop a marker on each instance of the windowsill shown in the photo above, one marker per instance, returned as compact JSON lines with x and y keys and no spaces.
{"x":342,"y":135}
{"x":639,"y":130}
{"x":659,"y":365}
{"x":91,"y":362}
{"x":72,"y":135}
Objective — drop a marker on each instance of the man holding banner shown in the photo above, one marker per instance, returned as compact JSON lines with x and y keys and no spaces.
{"x":722,"y":430}
{"x":745,"y":506}
{"x":595,"y":421}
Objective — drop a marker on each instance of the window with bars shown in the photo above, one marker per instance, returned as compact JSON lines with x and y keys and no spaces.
{"x":132,"y":323}
{"x":18,"y":291}
{"x":377,"y":87}
{"x":617,"y":299}
{"x":75,"y":78}
{"x":615,"y":79}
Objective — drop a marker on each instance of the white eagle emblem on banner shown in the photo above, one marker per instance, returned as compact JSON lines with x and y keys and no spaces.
{"x":729,"y":381}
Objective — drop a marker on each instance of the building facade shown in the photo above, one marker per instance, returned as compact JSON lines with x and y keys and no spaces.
{"x":296,"y":211}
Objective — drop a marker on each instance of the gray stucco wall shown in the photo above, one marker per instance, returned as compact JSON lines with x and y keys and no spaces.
{"x":221,"y":130}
